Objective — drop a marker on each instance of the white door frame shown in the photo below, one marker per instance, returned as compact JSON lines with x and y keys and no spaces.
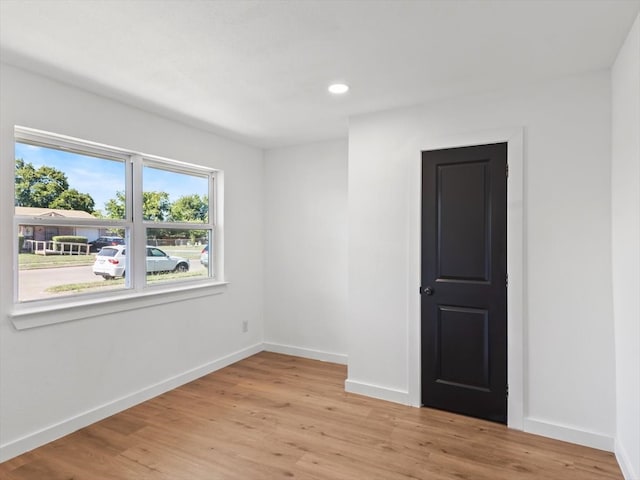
{"x":515,"y":263}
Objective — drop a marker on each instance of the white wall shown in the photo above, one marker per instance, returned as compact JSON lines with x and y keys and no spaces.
{"x":306,"y":250}
{"x":625,"y":206}
{"x":59,"y":377}
{"x":568,"y":337}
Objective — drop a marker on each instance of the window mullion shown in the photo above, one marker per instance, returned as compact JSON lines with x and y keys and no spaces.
{"x":136,"y":254}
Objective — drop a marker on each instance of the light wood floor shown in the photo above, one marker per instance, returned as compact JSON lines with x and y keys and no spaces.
{"x":273,"y":416}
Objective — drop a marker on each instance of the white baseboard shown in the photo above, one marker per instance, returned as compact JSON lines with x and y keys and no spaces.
{"x":53,"y":432}
{"x":376,"y":391}
{"x":306,"y":353}
{"x":569,"y":434}
{"x":628,"y":470}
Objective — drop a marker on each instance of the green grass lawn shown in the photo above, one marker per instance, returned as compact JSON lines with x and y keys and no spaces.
{"x":192,"y":252}
{"x":29,"y":261}
{"x":151,"y":278}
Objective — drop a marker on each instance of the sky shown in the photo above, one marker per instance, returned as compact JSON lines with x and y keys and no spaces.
{"x":102,"y":178}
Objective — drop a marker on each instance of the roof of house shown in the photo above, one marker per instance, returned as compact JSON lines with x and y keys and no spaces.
{"x":51,"y":212}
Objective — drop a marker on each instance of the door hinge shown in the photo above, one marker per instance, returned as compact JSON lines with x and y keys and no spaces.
{"x":507,"y":170}
{"x":507,"y":390}
{"x":507,"y":280}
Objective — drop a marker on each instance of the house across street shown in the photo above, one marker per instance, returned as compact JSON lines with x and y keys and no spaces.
{"x":47,"y":232}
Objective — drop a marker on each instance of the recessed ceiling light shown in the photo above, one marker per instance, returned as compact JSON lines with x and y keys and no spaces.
{"x":338,"y":88}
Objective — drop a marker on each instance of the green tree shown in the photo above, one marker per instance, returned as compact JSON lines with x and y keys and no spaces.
{"x":115,"y":207}
{"x":155,"y":206}
{"x":190,"y":208}
{"x":47,"y":187}
{"x":72,"y":199}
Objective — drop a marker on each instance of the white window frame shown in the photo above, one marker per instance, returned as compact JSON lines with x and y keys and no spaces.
{"x":137,"y":293}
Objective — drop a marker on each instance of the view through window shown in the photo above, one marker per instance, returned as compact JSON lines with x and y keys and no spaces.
{"x":81,"y":229}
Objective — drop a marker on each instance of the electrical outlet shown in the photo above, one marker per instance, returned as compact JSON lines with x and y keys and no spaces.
{"x":245,"y":326}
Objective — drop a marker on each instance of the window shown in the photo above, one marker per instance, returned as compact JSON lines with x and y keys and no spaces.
{"x":98,"y":221}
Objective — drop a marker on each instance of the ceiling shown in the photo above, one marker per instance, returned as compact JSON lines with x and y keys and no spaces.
{"x":258,"y":71}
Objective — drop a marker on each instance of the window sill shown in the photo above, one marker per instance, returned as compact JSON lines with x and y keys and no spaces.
{"x":26,"y":316}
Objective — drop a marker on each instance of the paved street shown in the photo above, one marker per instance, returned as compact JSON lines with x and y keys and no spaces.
{"x":33,"y":283}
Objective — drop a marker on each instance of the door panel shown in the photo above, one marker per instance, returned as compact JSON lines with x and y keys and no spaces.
{"x":463,"y":360}
{"x":464,"y":309}
{"x":463,"y":224}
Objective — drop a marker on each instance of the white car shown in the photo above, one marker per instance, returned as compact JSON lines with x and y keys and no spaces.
{"x":204,"y":256}
{"x":110,"y":262}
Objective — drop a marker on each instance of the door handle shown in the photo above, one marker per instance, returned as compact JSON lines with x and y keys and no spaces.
{"x":426,"y":291}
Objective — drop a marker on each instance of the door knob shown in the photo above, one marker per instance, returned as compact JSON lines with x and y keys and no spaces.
{"x":427,"y":291}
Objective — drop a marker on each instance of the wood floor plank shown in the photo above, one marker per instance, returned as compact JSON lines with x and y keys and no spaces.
{"x":274,"y":416}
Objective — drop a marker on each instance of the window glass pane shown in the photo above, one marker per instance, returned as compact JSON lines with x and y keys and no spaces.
{"x":174,"y":255}
{"x":170,"y":196}
{"x":56,"y":261}
{"x":57,"y":183}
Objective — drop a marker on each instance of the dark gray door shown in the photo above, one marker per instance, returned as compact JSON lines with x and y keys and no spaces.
{"x":464,"y":275}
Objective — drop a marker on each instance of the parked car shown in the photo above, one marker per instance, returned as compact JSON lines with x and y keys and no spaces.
{"x":100,"y":242}
{"x":111,"y":262}
{"x":204,"y":256}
